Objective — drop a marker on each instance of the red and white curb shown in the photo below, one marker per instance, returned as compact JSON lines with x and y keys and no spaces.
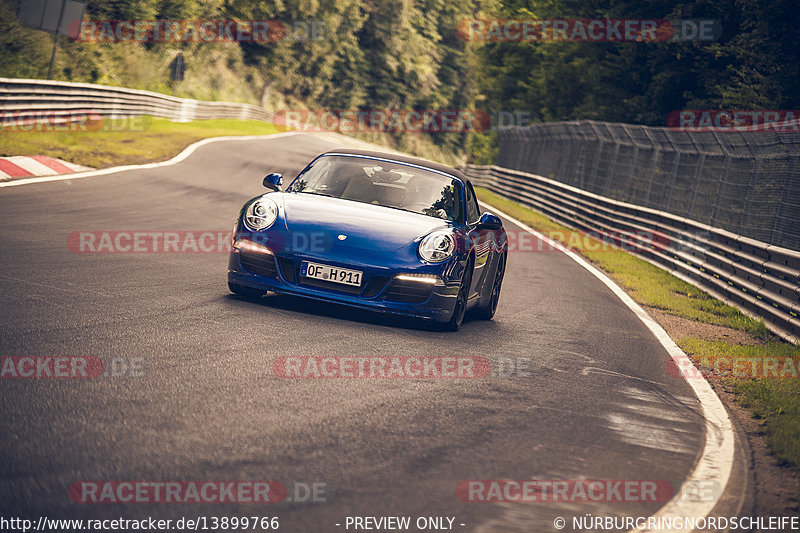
{"x":24,"y":166}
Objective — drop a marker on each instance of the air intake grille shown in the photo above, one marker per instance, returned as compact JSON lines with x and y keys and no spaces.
{"x":374,"y":286}
{"x":406,"y":291}
{"x":287,"y":269}
{"x":258,"y":263}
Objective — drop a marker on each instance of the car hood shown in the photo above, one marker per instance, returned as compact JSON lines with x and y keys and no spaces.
{"x":364,"y":225}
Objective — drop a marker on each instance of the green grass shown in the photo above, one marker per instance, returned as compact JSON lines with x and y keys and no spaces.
{"x":146,"y":139}
{"x":775,"y":401}
{"x":160,"y":139}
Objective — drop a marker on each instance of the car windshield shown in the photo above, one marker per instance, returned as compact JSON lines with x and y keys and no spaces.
{"x":383,"y":183}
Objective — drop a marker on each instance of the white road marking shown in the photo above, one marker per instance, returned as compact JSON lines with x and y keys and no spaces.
{"x":716,"y":461}
{"x":189,"y":150}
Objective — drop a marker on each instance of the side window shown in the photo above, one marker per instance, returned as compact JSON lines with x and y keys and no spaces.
{"x":473,"y":212}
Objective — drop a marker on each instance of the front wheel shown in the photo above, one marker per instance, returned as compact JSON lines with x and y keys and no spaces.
{"x":460,"y":308}
{"x":245,"y":292}
{"x":487,"y":312}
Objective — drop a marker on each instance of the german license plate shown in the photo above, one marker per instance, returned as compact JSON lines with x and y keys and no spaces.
{"x":331,"y":273}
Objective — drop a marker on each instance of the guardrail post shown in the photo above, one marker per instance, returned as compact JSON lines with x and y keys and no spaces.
{"x":188,"y":111}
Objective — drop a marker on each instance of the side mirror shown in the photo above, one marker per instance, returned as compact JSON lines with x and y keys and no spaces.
{"x":273,"y":181}
{"x":490,"y":221}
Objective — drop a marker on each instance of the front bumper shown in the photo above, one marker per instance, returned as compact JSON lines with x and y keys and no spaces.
{"x":380,"y":290}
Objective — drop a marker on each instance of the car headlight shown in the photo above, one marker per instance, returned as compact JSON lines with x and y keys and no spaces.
{"x":261,"y":214}
{"x":437,"y":246}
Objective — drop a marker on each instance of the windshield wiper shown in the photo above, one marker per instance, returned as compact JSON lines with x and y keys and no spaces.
{"x":317,"y":193}
{"x":400,"y":208}
{"x":415,"y":212}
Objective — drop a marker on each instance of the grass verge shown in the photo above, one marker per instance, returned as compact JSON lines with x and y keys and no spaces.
{"x":125,"y":141}
{"x":147,"y":139}
{"x":776,"y":402}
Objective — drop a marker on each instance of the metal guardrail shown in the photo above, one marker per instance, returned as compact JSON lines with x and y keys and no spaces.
{"x":746,"y":181}
{"x":54,"y":101}
{"x":761,"y":280}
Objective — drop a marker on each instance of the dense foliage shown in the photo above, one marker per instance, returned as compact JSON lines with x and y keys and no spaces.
{"x":753,"y":64}
{"x":406,"y":54}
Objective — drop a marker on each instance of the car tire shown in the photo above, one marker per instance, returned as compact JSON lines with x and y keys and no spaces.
{"x":460,"y":309}
{"x":487,"y":312}
{"x":246,"y":292}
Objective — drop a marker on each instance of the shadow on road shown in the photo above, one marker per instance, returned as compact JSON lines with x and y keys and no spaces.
{"x":298,"y":304}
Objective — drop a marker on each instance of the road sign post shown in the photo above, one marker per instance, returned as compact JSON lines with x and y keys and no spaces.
{"x":59,"y":17}
{"x":176,"y":70}
{"x":55,"y":40}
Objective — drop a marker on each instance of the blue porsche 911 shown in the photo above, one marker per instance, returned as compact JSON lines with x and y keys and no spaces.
{"x":376,"y":231}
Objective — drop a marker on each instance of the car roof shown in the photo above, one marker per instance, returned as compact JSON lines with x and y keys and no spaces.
{"x":401,"y":159}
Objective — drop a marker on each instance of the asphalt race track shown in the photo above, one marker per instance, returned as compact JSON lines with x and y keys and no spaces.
{"x":598,"y":403}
